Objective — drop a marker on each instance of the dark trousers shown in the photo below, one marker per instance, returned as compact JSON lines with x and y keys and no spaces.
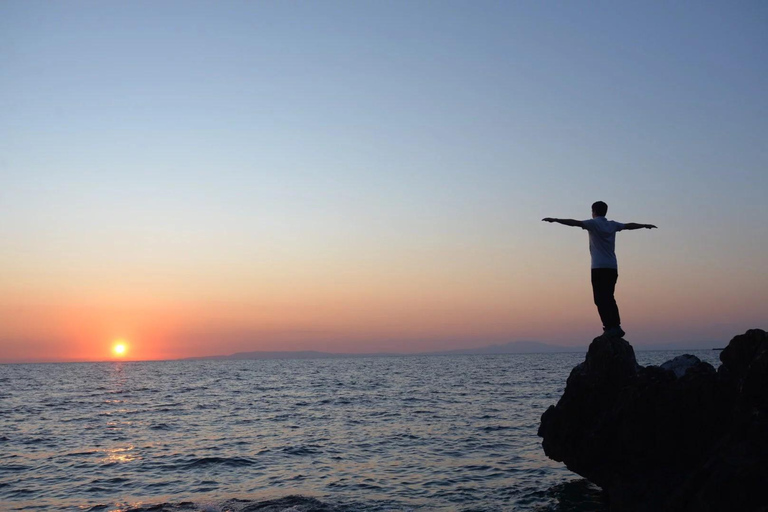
{"x":603,"y":286}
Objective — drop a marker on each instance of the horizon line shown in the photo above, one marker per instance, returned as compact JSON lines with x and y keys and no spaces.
{"x":287,"y":354}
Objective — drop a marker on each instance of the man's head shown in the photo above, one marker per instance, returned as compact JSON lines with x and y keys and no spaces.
{"x":599,"y":209}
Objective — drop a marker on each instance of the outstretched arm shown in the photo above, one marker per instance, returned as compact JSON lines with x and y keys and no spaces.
{"x":634,"y":225}
{"x":566,"y":222}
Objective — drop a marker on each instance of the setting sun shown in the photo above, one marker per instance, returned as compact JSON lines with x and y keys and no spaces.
{"x":119,"y":348}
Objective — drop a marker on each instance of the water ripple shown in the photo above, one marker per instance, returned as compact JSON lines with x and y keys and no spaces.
{"x":235,"y":462}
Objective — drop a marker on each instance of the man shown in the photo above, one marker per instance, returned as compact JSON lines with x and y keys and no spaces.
{"x":602,"y":243}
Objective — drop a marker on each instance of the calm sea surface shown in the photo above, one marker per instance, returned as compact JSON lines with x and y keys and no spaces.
{"x":363,"y":434}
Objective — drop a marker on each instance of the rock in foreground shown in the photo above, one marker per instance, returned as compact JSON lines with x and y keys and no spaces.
{"x":680,"y":437}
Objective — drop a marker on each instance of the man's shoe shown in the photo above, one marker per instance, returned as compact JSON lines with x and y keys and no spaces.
{"x":614,"y":332}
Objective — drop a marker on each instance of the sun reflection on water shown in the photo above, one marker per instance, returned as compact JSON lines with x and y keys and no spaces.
{"x":119,"y":455}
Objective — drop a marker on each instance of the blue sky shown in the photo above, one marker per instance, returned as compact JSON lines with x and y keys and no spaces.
{"x":263,"y":152}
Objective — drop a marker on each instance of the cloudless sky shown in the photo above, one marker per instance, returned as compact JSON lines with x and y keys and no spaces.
{"x":204,"y":178}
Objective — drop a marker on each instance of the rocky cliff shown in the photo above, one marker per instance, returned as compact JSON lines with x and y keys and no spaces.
{"x":679,"y":437}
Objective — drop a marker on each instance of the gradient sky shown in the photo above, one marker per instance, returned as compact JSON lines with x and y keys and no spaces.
{"x":210,"y":177}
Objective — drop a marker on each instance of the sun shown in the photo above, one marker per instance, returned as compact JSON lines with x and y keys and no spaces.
{"x":119,"y":348}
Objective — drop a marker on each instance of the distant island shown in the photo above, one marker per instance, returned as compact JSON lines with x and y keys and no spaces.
{"x":513,"y":347}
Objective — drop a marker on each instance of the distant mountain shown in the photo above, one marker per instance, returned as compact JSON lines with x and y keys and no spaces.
{"x":303,"y":354}
{"x":514,"y":347}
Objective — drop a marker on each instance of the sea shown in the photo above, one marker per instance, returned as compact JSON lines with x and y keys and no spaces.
{"x":402,"y":433}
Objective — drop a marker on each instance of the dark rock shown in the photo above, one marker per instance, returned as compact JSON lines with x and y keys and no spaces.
{"x":681,"y":364}
{"x":680,"y":437}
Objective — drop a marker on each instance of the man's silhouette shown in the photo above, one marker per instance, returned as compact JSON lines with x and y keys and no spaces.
{"x":602,"y":243}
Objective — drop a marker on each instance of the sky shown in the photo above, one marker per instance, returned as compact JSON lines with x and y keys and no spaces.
{"x":199,"y":178}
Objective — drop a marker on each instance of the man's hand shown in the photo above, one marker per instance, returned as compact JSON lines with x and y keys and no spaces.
{"x":635,"y":225}
{"x":565,"y":222}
